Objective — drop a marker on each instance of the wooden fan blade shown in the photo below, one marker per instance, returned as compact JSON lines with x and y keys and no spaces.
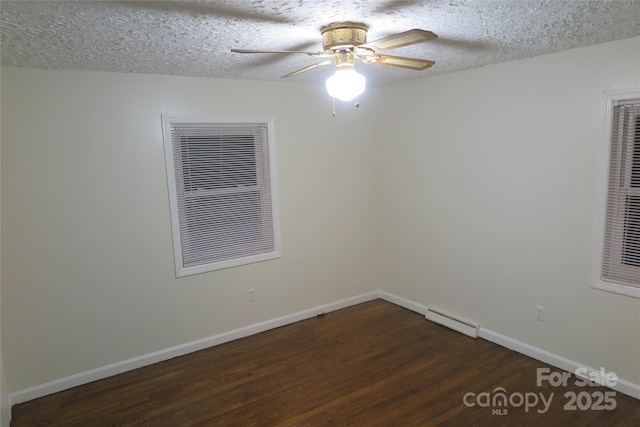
{"x":402,"y":62}
{"x":278,"y":51}
{"x":310,"y":67}
{"x":401,"y":39}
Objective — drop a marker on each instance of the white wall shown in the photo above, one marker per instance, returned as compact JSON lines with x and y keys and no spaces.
{"x":5,"y":412}
{"x":489,"y":193}
{"x":88,"y":275}
{"x":472,"y":191}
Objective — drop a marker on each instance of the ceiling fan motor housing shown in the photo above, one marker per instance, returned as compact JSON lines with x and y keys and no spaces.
{"x":343,"y":35}
{"x":346,"y":42}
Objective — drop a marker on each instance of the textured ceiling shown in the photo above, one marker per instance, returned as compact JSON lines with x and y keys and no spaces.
{"x":194,"y":38}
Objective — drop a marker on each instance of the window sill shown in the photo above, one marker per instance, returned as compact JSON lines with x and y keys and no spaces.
{"x":629,"y":291}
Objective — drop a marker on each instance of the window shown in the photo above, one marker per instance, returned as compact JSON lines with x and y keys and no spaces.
{"x":620,"y":254}
{"x":221,"y":180}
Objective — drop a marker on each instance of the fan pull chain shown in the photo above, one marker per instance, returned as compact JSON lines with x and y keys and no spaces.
{"x":333,"y":104}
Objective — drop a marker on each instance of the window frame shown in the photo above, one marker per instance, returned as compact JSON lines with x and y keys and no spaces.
{"x":604,"y":158}
{"x":168,"y":122}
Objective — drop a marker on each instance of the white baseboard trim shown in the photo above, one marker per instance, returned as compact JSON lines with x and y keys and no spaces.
{"x":180,"y":350}
{"x":622,"y":386}
{"x":35,"y":392}
{"x":409,"y":305}
{"x":347,"y":302}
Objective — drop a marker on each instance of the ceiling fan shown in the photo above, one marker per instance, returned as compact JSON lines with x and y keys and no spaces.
{"x":346,"y":42}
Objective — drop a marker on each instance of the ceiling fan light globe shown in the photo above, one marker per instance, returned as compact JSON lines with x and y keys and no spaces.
{"x":346,"y":84}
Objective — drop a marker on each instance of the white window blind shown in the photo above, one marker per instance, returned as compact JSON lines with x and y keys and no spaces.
{"x":621,"y":252}
{"x":220,"y":177}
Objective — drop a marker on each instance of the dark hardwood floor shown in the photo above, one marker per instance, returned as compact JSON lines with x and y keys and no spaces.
{"x":375,"y":364}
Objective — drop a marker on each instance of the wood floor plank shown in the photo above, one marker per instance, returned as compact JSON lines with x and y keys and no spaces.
{"x":374,"y":364}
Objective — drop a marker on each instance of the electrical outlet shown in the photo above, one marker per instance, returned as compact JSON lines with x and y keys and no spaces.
{"x":251,"y":295}
{"x":540,"y":313}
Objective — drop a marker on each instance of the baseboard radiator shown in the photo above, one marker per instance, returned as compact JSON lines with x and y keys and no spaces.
{"x":453,"y":321}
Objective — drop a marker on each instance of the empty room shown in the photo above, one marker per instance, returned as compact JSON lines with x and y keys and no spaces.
{"x":307,"y":213}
